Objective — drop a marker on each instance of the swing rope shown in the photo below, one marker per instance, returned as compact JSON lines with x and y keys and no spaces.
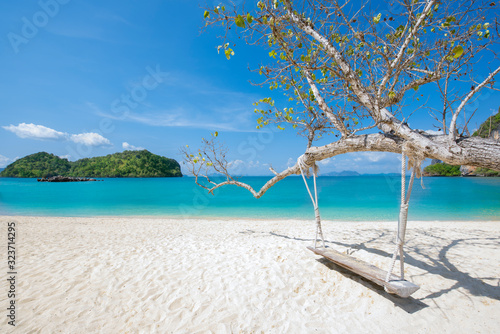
{"x":303,"y":166}
{"x":403,"y":217}
{"x":401,"y":287}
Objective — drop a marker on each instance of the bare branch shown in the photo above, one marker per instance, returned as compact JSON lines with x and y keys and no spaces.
{"x":453,"y":123}
{"x":468,"y":151}
{"x":322,"y":104}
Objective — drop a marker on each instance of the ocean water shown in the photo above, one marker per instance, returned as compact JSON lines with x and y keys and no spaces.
{"x":357,"y":198}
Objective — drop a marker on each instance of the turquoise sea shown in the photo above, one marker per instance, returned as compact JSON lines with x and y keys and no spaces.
{"x":357,"y":198}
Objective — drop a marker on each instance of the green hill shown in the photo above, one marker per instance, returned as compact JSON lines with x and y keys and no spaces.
{"x":123,"y":164}
{"x":491,"y":124}
{"x":442,"y":169}
{"x":37,"y":165}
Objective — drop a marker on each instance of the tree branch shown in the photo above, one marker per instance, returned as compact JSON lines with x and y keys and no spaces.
{"x":323,"y":106}
{"x":453,"y":123}
{"x":472,"y":151}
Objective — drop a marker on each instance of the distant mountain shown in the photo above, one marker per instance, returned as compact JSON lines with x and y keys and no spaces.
{"x":124,"y":164}
{"x":343,"y":173}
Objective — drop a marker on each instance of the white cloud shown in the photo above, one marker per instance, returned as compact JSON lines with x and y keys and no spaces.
{"x":373,"y":156}
{"x":366,"y":163}
{"x":129,"y":147}
{"x":240,"y":167}
{"x":67,"y":156}
{"x":236,"y":163}
{"x":90,"y":139}
{"x":357,"y":156}
{"x":434,"y":132}
{"x":185,"y":119}
{"x":4,"y":161}
{"x":34,"y":131}
{"x":40,"y":132}
{"x":326,"y":162}
{"x":254,"y":164}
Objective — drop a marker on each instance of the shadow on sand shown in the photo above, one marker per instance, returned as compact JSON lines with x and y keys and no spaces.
{"x":438,"y":265}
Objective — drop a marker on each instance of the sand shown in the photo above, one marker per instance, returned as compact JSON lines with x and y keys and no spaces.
{"x":151,"y":275}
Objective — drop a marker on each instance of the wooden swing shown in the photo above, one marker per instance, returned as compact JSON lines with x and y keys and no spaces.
{"x":391,"y":283}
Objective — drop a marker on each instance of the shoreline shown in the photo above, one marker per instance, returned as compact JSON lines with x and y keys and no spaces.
{"x":224,"y":218}
{"x":159,"y":275}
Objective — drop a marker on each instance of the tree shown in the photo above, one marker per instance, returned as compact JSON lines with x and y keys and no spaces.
{"x":352,"y":71}
{"x":442,"y":169}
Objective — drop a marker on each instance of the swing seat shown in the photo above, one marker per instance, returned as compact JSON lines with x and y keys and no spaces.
{"x":402,"y":288}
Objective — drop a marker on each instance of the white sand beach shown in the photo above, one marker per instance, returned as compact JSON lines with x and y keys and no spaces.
{"x":152,"y":275}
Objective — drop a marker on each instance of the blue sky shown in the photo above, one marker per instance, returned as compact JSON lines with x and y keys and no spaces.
{"x":92,"y":78}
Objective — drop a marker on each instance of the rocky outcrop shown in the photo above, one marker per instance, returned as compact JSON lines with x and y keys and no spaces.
{"x":495,"y":134}
{"x":468,"y":170}
{"x":65,"y":179}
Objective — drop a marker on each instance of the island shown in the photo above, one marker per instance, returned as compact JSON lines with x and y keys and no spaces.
{"x":143,"y":163}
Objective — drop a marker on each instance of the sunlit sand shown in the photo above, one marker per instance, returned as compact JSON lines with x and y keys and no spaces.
{"x":146,"y":275}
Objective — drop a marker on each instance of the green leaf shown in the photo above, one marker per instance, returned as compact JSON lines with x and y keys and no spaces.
{"x":486,"y":25}
{"x":457,"y":51}
{"x":240,"y":22}
{"x":229,"y":53}
{"x":376,"y":19}
{"x":249,"y":18}
{"x":392,"y":95}
{"x":261,"y":5}
{"x":216,"y":134}
{"x":206,"y":14}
